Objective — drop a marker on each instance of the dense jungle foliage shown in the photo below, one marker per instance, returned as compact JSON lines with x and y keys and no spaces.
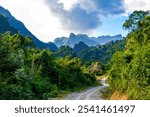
{"x":130,"y":69}
{"x":29,"y":73}
{"x":100,"y":53}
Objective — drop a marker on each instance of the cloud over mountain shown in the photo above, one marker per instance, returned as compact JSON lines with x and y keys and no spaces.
{"x":85,"y":14}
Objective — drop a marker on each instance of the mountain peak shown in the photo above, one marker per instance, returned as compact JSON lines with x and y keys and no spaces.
{"x":72,"y":35}
{"x":81,"y":46}
{"x":5,"y":12}
{"x":74,"y":39}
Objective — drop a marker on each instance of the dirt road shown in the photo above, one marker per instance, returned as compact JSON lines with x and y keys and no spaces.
{"x":89,"y":94}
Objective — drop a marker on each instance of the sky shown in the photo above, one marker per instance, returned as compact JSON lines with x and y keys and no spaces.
{"x":49,"y":19}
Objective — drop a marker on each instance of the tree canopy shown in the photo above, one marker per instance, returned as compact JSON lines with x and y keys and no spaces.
{"x":132,"y":22}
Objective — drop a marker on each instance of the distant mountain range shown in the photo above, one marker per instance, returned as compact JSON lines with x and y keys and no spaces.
{"x":74,"y":39}
{"x":105,"y":39}
{"x":90,"y":41}
{"x":17,"y":26}
{"x":10,"y":23}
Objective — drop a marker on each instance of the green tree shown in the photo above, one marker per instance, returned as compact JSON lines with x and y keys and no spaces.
{"x":132,"y":23}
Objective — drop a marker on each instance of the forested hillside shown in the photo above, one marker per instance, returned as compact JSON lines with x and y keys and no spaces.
{"x":100,"y":53}
{"x":130,"y":69}
{"x":29,"y":73}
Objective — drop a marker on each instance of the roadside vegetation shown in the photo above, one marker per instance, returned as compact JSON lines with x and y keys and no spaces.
{"x":130,"y":69}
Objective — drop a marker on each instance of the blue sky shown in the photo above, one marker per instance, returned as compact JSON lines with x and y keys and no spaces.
{"x":49,"y":19}
{"x":112,"y":26}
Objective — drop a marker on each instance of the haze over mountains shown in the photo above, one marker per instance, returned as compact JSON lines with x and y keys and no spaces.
{"x":90,"y":41}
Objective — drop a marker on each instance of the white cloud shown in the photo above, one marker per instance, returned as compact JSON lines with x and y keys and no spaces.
{"x":68,"y":4}
{"x":36,"y":17}
{"x":133,"y":5}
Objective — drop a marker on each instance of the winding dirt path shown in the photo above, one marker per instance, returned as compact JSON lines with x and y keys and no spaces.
{"x":89,"y":94}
